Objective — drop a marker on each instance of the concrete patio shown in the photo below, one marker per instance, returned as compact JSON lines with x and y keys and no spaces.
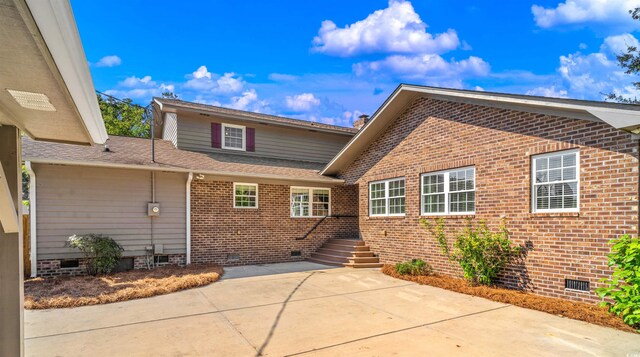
{"x":309,"y":309}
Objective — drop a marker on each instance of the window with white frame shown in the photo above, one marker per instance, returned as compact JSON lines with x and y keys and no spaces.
{"x":449,"y":192}
{"x":310,"y":202}
{"x":556,"y":182}
{"x":245,"y":195}
{"x":233,"y":137}
{"x":386,"y":198}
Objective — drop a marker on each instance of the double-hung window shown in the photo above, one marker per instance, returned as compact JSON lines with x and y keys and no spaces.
{"x":556,"y":182}
{"x":245,"y":195}
{"x":387,"y":198}
{"x":310,"y":202}
{"x":233,"y":137}
{"x":449,"y":192}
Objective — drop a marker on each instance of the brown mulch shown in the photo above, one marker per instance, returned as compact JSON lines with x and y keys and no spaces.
{"x":60,"y":292}
{"x":565,"y":308}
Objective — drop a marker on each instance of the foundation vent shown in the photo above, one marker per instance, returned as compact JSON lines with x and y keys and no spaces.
{"x":296,"y":253}
{"x":580,"y":285}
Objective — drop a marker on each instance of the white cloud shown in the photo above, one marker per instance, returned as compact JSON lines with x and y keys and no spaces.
{"x":204,"y":80}
{"x":249,"y":101}
{"x":109,"y":61}
{"x":593,"y":75}
{"x":618,"y":44}
{"x":551,"y":91}
{"x":133,"y":81}
{"x":425,"y":66}
{"x":396,"y":29}
{"x":614,"y":12}
{"x":302,"y":102}
{"x":139,"y":88}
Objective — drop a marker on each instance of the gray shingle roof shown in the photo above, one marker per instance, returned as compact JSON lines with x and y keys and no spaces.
{"x":265,"y":118}
{"x":137,"y":152}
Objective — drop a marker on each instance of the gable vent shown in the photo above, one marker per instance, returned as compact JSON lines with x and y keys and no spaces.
{"x":580,"y":285}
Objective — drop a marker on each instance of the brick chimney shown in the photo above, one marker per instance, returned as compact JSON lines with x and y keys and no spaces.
{"x":362,"y":120}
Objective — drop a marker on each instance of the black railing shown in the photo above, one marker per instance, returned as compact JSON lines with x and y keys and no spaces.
{"x":322,"y":220}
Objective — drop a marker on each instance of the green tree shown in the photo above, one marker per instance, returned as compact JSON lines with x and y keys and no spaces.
{"x":630,"y":61}
{"x":123,"y":117}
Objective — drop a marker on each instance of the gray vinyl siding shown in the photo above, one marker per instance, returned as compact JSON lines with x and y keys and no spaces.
{"x":170,"y":128}
{"x":194,"y":133}
{"x":79,"y":200}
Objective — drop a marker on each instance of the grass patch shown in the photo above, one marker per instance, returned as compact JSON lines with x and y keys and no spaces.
{"x":565,"y":308}
{"x":61,"y":292}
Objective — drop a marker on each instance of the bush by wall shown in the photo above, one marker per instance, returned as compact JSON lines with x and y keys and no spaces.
{"x":481,"y":253}
{"x":415,"y":267}
{"x":101,"y":252}
{"x":623,"y":288}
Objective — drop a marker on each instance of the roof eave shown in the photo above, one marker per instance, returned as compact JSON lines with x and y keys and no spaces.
{"x":622,"y":119}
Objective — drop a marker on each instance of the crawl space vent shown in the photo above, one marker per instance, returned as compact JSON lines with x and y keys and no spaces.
{"x":296,"y":253}
{"x":580,"y":285}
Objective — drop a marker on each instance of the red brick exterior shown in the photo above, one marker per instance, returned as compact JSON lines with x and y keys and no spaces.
{"x":266,"y":234}
{"x":434,"y":135}
{"x":51,"y":267}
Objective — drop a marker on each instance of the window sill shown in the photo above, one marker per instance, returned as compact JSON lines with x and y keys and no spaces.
{"x":554,"y":214}
{"x":446,"y":216}
{"x":386,"y":217}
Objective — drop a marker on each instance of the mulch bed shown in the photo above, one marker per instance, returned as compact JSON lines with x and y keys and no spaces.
{"x":565,"y":308}
{"x":61,"y":292}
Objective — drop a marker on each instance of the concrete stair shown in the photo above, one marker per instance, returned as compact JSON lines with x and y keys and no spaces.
{"x":345,"y":252}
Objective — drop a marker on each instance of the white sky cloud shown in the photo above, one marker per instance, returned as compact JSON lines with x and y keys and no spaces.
{"x":551,"y":91}
{"x":614,"y":12}
{"x":424,"y":67}
{"x":302,"y":102}
{"x":395,"y":29}
{"x":204,"y":80}
{"x":593,"y":75}
{"x":109,"y":61}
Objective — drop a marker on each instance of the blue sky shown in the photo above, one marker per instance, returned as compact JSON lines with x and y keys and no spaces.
{"x":330,"y":61}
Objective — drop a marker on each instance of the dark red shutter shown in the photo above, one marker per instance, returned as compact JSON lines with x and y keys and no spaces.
{"x":251,"y":139}
{"x":216,"y":135}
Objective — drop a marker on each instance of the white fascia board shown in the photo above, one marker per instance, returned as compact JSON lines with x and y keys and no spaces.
{"x":57,"y":26}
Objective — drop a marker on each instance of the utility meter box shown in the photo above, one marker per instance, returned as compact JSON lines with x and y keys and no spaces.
{"x":153,"y":209}
{"x":158,"y":249}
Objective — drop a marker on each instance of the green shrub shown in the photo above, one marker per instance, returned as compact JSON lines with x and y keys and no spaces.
{"x":101,"y":252}
{"x":416,"y":267}
{"x":481,"y":253}
{"x":624,"y":285}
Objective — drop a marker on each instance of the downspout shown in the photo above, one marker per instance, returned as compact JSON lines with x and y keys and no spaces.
{"x":188,"y":217}
{"x":32,"y":219}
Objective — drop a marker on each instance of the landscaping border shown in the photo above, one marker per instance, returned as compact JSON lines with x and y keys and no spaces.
{"x":564,"y":308}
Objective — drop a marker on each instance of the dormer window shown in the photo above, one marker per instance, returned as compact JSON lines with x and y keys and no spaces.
{"x":233,"y":137}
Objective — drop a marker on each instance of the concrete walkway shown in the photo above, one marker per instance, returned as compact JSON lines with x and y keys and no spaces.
{"x":307,"y":309}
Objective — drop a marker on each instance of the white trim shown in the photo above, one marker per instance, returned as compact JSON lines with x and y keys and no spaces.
{"x":244,"y":184}
{"x":534,"y":209}
{"x":57,"y":26}
{"x":446,"y":192}
{"x":320,"y":180}
{"x":33,"y":228}
{"x":310,"y":189}
{"x":244,"y":137}
{"x":387,"y":198}
{"x":188,"y":217}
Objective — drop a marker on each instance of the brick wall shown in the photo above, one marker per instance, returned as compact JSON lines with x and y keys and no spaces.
{"x":266,"y":234}
{"x":434,"y":135}
{"x":51,"y":267}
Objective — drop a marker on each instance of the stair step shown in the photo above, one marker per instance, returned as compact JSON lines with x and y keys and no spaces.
{"x":349,"y":242}
{"x":363,"y":260}
{"x":351,"y":248}
{"x":363,"y":265}
{"x":330,"y":258}
{"x":342,"y":253}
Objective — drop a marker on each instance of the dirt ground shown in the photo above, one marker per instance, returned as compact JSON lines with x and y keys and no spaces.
{"x":574,"y":310}
{"x":61,"y":292}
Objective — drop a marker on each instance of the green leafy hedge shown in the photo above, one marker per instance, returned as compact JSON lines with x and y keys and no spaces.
{"x":416,"y":267}
{"x":101,"y":252}
{"x":623,"y":288}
